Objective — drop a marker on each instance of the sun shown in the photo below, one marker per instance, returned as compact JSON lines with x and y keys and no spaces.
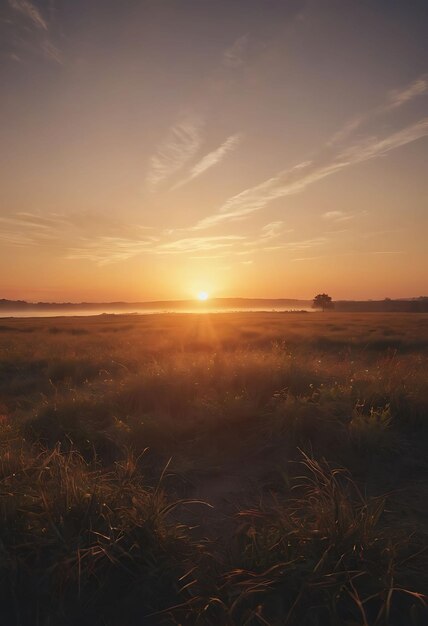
{"x":202,"y":296}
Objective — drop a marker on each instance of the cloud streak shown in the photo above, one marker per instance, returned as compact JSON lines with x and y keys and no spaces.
{"x":104,"y":250}
{"x":82,"y":236}
{"x":178,"y":147}
{"x":51,"y":52}
{"x":297,"y":179}
{"x":29,"y":33}
{"x":340,"y":216}
{"x":234,"y":56}
{"x":211,"y":159}
{"x":395,"y":99}
{"x":196,"y":244}
{"x":346,"y":254}
{"x":417,"y":88}
{"x":373,"y":147}
{"x":115,"y":242}
{"x":29,"y":11}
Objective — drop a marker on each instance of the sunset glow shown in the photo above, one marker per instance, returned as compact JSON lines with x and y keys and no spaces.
{"x":203,"y":296}
{"x":262,"y":144}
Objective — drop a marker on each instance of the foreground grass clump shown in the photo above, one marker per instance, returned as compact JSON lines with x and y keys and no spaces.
{"x":322,"y":557}
{"x":254,"y":520}
{"x":81,"y":545}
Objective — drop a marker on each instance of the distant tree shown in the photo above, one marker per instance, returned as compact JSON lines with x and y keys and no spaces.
{"x":322,"y":301}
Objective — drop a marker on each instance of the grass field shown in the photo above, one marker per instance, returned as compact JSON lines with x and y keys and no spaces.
{"x":227,"y":469}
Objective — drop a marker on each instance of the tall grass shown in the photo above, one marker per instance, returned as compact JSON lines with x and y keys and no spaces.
{"x":81,"y":544}
{"x":255,"y":520}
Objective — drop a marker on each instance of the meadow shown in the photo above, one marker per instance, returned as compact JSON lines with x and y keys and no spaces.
{"x":214,"y":469}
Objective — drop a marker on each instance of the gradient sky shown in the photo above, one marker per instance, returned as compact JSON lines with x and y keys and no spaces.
{"x":255,"y":148}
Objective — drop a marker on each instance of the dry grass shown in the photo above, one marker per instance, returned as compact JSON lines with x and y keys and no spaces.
{"x":259,"y":413}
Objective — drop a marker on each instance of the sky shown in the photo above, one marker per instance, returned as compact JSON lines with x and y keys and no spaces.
{"x":152,"y":149}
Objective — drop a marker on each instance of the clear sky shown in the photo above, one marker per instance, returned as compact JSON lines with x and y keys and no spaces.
{"x":259,"y":148}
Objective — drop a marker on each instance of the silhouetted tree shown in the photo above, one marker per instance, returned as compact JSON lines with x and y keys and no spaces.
{"x":322,"y":301}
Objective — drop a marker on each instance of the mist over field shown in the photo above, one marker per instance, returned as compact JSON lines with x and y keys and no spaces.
{"x":85,"y":312}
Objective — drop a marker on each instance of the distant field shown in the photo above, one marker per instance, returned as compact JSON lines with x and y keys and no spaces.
{"x":214,"y":469}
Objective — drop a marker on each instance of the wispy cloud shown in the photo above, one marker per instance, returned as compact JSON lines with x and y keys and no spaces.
{"x":387,"y":252}
{"x":78,"y":236}
{"x":272,"y":230}
{"x":50,"y":51}
{"x":179,"y":146}
{"x":14,"y":57}
{"x":197,"y":244}
{"x":32,"y":227}
{"x":104,"y":250}
{"x":29,"y":11}
{"x":338,"y":216}
{"x":235,"y":55}
{"x":103,"y":241}
{"x":333,"y":215}
{"x":394,"y":100}
{"x":10,"y":237}
{"x":184,"y":138}
{"x":401,"y":96}
{"x":309,"y":258}
{"x":350,"y":253}
{"x":211,"y":159}
{"x":28,"y":32}
{"x":373,"y":147}
{"x":112,"y":242}
{"x":27,"y":229}
{"x":261,"y":242}
{"x":306,"y":244}
{"x":255,"y":198}
{"x":347,"y":130}
{"x":297,"y":179}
